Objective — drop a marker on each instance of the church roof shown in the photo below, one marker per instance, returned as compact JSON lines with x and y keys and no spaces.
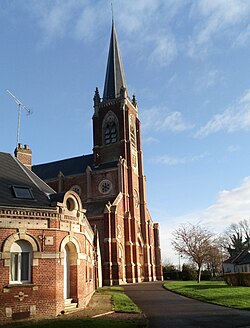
{"x":19,"y":187}
{"x":69,"y":166}
{"x":115,"y":78}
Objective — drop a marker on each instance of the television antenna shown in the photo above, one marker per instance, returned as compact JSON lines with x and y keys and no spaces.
{"x":20,"y":106}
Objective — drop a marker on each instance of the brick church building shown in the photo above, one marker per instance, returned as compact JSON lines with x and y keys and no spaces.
{"x":111,"y":182}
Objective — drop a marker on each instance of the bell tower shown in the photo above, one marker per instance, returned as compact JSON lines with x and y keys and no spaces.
{"x":117,"y":139}
{"x":114,"y":111}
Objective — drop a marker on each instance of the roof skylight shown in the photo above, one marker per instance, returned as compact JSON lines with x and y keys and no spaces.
{"x":23,"y":192}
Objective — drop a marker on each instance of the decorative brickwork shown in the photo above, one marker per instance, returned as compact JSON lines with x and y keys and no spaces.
{"x":59,"y":260}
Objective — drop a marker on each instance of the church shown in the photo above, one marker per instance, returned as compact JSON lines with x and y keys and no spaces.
{"x":111,"y":182}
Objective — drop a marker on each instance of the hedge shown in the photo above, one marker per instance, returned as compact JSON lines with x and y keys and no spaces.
{"x":237,"y":279}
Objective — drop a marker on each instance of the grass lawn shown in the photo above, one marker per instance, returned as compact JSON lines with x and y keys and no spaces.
{"x":77,"y":323}
{"x":121,"y":302}
{"x":216,"y":292}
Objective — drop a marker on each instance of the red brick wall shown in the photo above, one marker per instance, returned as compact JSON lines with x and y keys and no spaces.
{"x":45,"y":294}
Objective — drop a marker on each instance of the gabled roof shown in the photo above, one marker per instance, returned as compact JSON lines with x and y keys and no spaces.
{"x":115,"y":78}
{"x":245,"y":260}
{"x":69,"y":166}
{"x":237,"y":258}
{"x":14,"y":177}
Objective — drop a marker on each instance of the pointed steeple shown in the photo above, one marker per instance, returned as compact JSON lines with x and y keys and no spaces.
{"x":115,"y":78}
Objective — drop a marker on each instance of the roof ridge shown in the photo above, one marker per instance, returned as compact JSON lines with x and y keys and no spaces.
{"x":29,"y":173}
{"x":62,"y":160}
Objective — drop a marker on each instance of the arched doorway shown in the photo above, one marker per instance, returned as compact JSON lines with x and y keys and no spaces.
{"x":70,"y":271}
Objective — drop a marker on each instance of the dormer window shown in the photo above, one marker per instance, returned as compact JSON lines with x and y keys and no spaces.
{"x":22,"y":192}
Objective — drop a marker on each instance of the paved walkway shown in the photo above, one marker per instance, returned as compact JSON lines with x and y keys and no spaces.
{"x":166,"y":309}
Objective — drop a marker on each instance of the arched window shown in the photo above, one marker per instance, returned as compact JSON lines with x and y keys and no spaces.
{"x":20,"y":264}
{"x":110,"y":133}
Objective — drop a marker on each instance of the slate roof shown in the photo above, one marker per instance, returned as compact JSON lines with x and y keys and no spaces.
{"x":69,"y":166}
{"x":246,"y":259}
{"x":115,"y":78}
{"x":13,"y":173}
{"x":238,"y":258}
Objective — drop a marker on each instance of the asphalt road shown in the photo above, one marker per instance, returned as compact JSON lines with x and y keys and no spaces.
{"x":166,"y":309}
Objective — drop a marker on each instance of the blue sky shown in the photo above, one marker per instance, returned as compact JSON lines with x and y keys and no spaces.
{"x":188,"y":64}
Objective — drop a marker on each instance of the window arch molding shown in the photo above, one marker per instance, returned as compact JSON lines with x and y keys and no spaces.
{"x":110,"y":131}
{"x":16,"y":237}
{"x":71,"y":239}
{"x":71,"y":197}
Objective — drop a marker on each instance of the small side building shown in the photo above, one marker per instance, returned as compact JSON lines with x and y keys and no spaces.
{"x":239,"y":262}
{"x":47,"y":251}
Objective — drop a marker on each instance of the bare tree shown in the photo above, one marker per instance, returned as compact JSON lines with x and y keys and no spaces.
{"x":215,"y":260}
{"x":194,"y":242}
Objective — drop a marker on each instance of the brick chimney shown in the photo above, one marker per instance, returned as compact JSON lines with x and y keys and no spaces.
{"x":24,"y":155}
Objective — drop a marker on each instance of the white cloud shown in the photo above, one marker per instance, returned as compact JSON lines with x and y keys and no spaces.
{"x":208,"y":79}
{"x":162,"y":119}
{"x":154,"y":23}
{"x":172,"y":161}
{"x":72,"y":18}
{"x":234,"y":118}
{"x":243,"y":38}
{"x":86,"y":24}
{"x":232,"y":148}
{"x":135,"y":18}
{"x":221,"y":18}
{"x":54,"y":18}
{"x":164,"y":50}
{"x":83,"y":20}
{"x":150,"y":140}
{"x":230,"y":207}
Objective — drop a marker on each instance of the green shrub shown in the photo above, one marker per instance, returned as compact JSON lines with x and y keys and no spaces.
{"x":189,"y":272}
{"x":206,"y":275}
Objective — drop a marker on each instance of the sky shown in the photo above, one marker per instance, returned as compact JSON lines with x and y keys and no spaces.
{"x":187,"y":62}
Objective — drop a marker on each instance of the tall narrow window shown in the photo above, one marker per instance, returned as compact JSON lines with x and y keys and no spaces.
{"x":20,"y":265}
{"x":110,"y":131}
{"x":132,"y":132}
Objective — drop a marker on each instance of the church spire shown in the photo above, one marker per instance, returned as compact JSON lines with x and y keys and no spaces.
{"x":115,"y":79}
